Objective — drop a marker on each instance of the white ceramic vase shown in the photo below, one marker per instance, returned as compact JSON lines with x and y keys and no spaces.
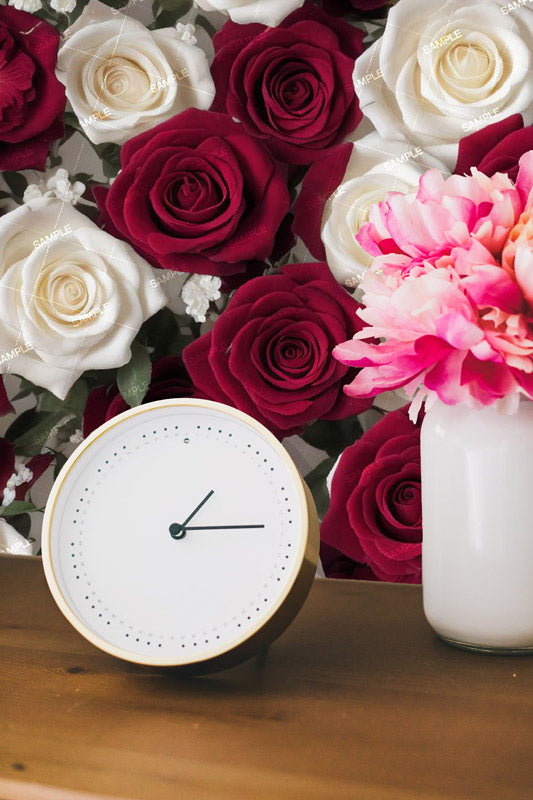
{"x":477,"y":509}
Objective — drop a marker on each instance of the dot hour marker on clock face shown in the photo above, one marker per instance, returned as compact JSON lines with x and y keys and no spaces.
{"x":180,"y":533}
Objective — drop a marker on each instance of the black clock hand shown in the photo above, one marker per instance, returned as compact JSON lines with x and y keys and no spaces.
{"x":176,"y":530}
{"x":220,"y":527}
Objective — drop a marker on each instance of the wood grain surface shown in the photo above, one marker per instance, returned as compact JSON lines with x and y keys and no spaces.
{"x":357,"y":699}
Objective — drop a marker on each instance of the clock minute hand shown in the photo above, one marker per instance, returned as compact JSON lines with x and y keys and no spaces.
{"x":220,"y":527}
{"x":177,"y":531}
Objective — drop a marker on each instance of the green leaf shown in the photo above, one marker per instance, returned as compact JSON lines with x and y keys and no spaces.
{"x":68,"y":428}
{"x":116,"y":3}
{"x":84,"y":177}
{"x":74,"y":402}
{"x":178,"y":7}
{"x":23,"y":393}
{"x":31,"y":430}
{"x":76,"y":399}
{"x":110,"y":155}
{"x":61,"y":460}
{"x":133,"y":379}
{"x":317,"y":482}
{"x":163,"y":19}
{"x":21,"y":523}
{"x":333,"y":437}
{"x":162,"y":333}
{"x":17,"y":507}
{"x":16,"y":182}
{"x":72,"y":121}
{"x":55,"y":161}
{"x":23,"y":422}
{"x":206,"y":24}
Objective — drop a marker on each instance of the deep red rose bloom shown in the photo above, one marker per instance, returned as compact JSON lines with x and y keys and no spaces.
{"x":321,"y":180}
{"x":291,"y":86}
{"x":496,"y":148}
{"x":32,"y":100}
{"x":196,"y":194}
{"x":375,"y":514}
{"x":270,"y":353}
{"x":5,"y":404}
{"x":169,"y":379}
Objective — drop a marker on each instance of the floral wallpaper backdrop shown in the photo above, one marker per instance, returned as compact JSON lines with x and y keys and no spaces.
{"x":232,"y":200}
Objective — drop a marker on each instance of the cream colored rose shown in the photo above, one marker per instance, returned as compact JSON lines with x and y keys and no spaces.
{"x":72,"y":297}
{"x":443,"y":70}
{"x":122,"y":79}
{"x":266,"y":12}
{"x":375,"y":168}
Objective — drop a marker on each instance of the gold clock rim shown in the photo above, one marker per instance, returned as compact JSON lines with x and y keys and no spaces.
{"x":257,"y":636}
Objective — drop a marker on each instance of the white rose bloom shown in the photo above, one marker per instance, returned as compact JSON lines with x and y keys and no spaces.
{"x":443,"y":70}
{"x":12,"y":542}
{"x":72,"y":297}
{"x":375,"y":168}
{"x":122,"y":79}
{"x":267,"y":12}
{"x":31,"y":6}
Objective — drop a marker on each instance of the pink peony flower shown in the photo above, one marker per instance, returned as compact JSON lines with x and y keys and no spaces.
{"x":450,"y":293}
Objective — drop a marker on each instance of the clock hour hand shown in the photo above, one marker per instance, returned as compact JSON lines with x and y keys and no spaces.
{"x":176,"y":530}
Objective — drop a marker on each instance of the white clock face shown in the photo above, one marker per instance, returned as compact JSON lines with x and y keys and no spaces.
{"x":174,"y":533}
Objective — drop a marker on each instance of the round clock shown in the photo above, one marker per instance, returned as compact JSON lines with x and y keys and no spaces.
{"x":180,"y":533}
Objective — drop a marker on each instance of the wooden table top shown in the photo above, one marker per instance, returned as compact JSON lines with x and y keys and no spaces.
{"x":357,"y":699}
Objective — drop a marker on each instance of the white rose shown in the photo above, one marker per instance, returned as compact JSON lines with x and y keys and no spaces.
{"x":443,"y":70}
{"x":12,"y":542}
{"x":375,"y":168}
{"x":72,"y":297}
{"x":122,"y":79}
{"x":267,"y":12}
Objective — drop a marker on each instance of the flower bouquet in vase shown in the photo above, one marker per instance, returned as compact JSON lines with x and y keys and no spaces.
{"x":448,"y":302}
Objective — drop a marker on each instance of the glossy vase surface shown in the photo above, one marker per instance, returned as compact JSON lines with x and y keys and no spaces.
{"x":477,"y":508}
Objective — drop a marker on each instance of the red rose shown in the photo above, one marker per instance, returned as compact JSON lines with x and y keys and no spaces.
{"x":169,"y":379}
{"x":292,"y":85}
{"x":496,"y":148}
{"x":196,"y":194}
{"x":5,"y":405}
{"x":270,"y":353}
{"x":319,"y":183}
{"x":32,"y":100}
{"x":375,"y":514}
